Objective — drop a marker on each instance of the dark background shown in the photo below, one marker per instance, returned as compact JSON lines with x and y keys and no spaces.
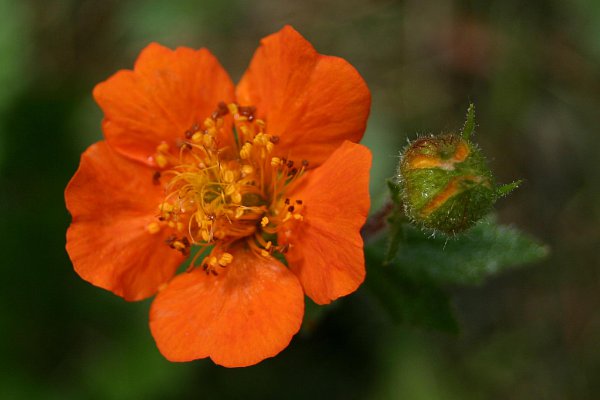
{"x":532,"y":68}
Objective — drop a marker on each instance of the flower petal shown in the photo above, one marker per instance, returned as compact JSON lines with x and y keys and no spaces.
{"x":311,"y":101}
{"x":326,"y":250}
{"x":247,"y":313}
{"x":112,"y":201}
{"x":167,"y":92}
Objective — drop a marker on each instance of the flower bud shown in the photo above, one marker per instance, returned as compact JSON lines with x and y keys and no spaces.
{"x":446,"y":183}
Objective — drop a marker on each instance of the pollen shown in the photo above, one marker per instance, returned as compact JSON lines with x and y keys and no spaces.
{"x":219,"y":192}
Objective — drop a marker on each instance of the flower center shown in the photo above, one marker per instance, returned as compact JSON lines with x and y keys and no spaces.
{"x":226,"y":185}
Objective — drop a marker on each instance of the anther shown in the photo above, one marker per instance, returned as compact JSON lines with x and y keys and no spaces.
{"x":274,"y":139}
{"x":228,"y":176}
{"x":233,"y":108}
{"x":163,"y":147}
{"x":236,"y":197}
{"x":161,"y":160}
{"x":153,"y":227}
{"x":245,"y":151}
{"x":222,"y":108}
{"x":209,"y":123}
{"x":156,"y":178}
{"x":264,"y":221}
{"x":239,"y":212}
{"x":197,"y":137}
{"x":246,"y":111}
{"x":291,"y":208}
{"x":305,"y":163}
{"x":207,"y":140}
{"x":247,"y":169}
{"x":226,"y":259}
{"x":165,"y":207}
{"x":229,"y":190}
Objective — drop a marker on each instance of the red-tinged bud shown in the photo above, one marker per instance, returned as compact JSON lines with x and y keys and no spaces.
{"x":446,"y":183}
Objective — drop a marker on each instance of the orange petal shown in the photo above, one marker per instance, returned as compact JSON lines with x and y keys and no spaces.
{"x":326,"y":250}
{"x":112,"y":201}
{"x":247,"y":313}
{"x":167,"y":92}
{"x":311,"y":101}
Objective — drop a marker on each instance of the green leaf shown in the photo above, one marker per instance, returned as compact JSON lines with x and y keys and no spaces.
{"x":420,"y":303}
{"x":396,"y":236}
{"x":484,"y":250}
{"x":395,"y":190}
{"x":469,"y":126}
{"x":503,"y":190}
{"x":396,"y":222}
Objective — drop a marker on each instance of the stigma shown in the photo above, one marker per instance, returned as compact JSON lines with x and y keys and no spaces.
{"x":226,"y":183}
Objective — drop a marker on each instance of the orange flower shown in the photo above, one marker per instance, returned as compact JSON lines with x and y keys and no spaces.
{"x":251,"y":175}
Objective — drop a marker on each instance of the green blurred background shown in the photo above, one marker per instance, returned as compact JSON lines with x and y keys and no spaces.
{"x":533,"y":70}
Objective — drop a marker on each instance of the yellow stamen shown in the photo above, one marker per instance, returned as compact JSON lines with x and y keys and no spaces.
{"x":219,"y":192}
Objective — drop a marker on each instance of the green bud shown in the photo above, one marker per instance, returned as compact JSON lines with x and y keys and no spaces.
{"x":446,"y":184}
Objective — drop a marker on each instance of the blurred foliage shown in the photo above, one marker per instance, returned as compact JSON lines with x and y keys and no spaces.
{"x":483,"y":251}
{"x":532,"y":68}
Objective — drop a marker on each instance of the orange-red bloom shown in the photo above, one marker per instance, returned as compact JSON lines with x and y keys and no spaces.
{"x":248,"y":175}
